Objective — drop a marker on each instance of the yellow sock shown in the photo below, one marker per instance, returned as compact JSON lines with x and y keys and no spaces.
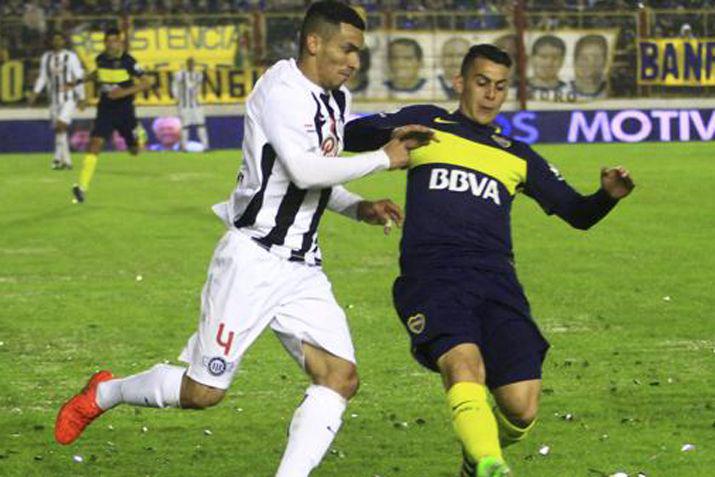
{"x":510,"y":433}
{"x":473,"y":421}
{"x":88,"y":166}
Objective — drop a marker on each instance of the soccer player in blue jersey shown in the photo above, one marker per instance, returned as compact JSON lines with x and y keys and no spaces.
{"x":458,"y":294}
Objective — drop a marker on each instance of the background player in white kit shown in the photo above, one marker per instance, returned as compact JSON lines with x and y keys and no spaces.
{"x":185,"y":86}
{"x":58,"y":67}
{"x":265,"y":270}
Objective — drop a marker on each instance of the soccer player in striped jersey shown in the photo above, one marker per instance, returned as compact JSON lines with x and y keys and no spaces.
{"x":266,"y":270}
{"x":185,"y":87}
{"x":458,"y":295}
{"x":59,"y":67}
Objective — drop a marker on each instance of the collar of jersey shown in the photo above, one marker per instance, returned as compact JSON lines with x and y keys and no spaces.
{"x":461,"y":118}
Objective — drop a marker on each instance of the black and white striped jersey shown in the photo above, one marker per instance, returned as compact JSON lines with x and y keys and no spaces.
{"x":57,"y":68}
{"x":186,"y":86}
{"x":293,"y":133}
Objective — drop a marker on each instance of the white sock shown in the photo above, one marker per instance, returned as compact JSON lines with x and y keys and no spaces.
{"x":158,"y":387}
{"x":203,"y":136}
{"x":184,"y":138}
{"x":313,"y":428}
{"x":62,"y":149}
{"x":59,"y":138}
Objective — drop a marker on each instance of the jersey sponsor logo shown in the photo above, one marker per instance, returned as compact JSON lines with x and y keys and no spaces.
{"x":416,"y":323}
{"x":444,"y":121}
{"x":457,"y":180}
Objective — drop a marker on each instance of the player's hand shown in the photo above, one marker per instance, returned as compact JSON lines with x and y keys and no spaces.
{"x":414,"y":135}
{"x":147,"y":82}
{"x":31,"y":98}
{"x":616,"y":181}
{"x":381,"y":212}
{"x":398,"y":153}
{"x":116,"y":93}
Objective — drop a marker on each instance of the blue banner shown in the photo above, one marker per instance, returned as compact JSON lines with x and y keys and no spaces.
{"x":545,"y":127}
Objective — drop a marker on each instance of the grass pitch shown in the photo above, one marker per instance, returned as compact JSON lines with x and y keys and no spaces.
{"x":627,"y":307}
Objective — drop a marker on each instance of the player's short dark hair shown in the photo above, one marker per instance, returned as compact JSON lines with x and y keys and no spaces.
{"x":414,"y":44}
{"x":549,"y":40}
{"x":487,"y":51}
{"x":325,"y":18}
{"x":111,"y":31}
{"x":598,"y":40}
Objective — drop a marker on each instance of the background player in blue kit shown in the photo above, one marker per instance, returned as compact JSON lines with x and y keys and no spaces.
{"x":458,"y":294}
{"x":116,"y":72}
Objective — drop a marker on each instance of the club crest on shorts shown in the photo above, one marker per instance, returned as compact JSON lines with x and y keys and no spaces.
{"x":217,"y":366}
{"x":416,"y":323}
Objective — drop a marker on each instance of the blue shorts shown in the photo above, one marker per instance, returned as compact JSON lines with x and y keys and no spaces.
{"x":484,"y":308}
{"x":120,"y":118}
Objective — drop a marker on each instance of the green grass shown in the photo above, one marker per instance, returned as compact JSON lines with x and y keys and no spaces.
{"x":636,"y":371}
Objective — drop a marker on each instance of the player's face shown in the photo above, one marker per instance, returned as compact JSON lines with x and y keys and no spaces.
{"x":58,"y":42}
{"x":190,"y":64}
{"x":547,"y":62}
{"x":590,"y":62}
{"x":483,"y":91}
{"x":404,"y":65}
{"x":452,"y":53}
{"x":337,"y":57}
{"x":113,"y":45}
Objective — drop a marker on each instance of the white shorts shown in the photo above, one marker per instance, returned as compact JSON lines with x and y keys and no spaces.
{"x":248,"y":289}
{"x":62,"y":112}
{"x":192,"y":116}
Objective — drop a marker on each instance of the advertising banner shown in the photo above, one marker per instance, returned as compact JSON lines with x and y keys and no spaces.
{"x":532,"y":127}
{"x":219,"y":51}
{"x":676,"y":62}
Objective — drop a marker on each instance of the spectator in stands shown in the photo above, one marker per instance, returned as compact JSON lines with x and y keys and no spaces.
{"x":547,"y":58}
{"x":404,"y":61}
{"x":167,"y":130}
{"x":590,"y":62}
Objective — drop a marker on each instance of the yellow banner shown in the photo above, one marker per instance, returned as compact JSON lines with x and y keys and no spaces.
{"x":676,"y":61}
{"x":219,"y":51}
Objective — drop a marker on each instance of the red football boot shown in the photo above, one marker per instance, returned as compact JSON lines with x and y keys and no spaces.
{"x":80,"y":411}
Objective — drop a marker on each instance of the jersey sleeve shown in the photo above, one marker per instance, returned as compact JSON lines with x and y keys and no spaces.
{"x":545,"y":184}
{"x":42,"y":77}
{"x":344,"y":202}
{"x":77,"y":75}
{"x":286,"y":122}
{"x":134,"y":68}
{"x":175,"y":78}
{"x":371,"y":132}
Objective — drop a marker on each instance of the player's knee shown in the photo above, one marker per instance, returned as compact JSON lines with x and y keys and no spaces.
{"x":199,"y":396}
{"x":344,"y":381}
{"x":523,"y":414}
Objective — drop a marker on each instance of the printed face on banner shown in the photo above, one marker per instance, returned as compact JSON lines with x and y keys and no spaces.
{"x":561,"y":66}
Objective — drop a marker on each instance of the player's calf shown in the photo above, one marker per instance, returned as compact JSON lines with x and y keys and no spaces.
{"x":195,"y":395}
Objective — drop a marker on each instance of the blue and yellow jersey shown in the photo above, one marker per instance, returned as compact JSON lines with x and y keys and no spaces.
{"x":116,"y":72}
{"x":460,"y":190}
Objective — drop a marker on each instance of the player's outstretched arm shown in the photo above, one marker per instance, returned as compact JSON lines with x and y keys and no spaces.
{"x":545,"y":184}
{"x":143,"y":83}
